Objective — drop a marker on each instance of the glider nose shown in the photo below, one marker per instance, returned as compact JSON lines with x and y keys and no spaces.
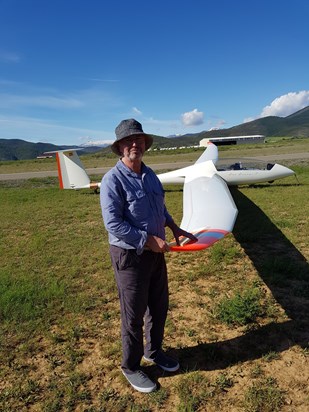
{"x":284,"y":171}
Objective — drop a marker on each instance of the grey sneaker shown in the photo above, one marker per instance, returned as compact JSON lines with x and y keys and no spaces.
{"x":165,"y":362}
{"x":140,"y":381}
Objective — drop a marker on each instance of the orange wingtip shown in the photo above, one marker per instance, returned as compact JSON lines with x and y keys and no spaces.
{"x":205,"y":238}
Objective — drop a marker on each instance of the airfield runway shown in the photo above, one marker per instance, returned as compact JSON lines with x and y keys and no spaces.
{"x":160,"y":166}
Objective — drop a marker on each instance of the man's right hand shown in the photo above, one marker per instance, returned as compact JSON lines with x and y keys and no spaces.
{"x":156,"y":244}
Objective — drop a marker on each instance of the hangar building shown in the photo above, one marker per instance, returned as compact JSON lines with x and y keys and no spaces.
{"x":231,"y":140}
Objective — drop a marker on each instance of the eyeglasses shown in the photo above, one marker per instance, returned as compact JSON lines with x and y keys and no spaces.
{"x":130,"y":140}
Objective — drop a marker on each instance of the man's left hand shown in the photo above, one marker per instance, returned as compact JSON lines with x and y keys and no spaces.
{"x":178,"y":232}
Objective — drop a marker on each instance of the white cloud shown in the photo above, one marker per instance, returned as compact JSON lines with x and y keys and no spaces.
{"x":88,"y":141}
{"x":35,"y":130}
{"x":11,"y":100}
{"x":193,"y":118}
{"x":8,"y":83}
{"x":215,"y":125}
{"x":249,"y":119}
{"x":287,"y":104}
{"x":96,"y":79}
{"x":19,"y":96}
{"x":136,"y":111}
{"x":9,"y":57}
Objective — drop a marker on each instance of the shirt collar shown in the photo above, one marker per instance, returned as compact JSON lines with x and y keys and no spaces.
{"x":121,"y":166}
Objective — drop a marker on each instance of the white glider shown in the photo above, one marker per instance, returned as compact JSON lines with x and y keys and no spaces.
{"x":209,"y":210}
{"x":72,"y":174}
{"x":234,"y":175}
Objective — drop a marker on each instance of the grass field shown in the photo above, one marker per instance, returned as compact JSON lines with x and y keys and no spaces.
{"x":274,"y":146}
{"x":238,"y":319}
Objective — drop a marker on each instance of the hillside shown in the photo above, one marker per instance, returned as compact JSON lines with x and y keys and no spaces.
{"x":294,"y":125}
{"x":16,"y":149}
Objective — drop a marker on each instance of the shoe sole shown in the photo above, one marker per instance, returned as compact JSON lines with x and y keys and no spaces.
{"x":138,"y":388}
{"x":174,"y":369}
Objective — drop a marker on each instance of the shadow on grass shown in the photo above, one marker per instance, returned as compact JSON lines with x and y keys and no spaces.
{"x":285,"y":271}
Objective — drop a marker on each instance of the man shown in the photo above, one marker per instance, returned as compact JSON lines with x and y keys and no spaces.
{"x":135,"y":216}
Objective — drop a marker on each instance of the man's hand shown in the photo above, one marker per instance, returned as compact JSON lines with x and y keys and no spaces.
{"x":156,"y":244}
{"x":178,"y":232}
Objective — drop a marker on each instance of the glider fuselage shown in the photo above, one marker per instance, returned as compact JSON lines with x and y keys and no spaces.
{"x":231,"y":177}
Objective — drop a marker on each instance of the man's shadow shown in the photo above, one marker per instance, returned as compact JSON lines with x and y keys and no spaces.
{"x":285,"y":271}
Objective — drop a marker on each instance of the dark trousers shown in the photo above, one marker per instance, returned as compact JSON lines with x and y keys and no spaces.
{"x":143,"y":294}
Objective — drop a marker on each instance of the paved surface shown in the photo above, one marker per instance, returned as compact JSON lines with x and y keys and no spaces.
{"x":90,"y":171}
{"x":291,"y":156}
{"x":162,"y":166}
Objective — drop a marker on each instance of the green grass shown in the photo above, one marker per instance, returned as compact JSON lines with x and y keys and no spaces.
{"x":198,"y":393}
{"x":264,"y":396}
{"x":193,"y":391}
{"x":59,"y":315}
{"x":46,"y":244}
{"x":241,"y":308}
{"x":96,"y":160}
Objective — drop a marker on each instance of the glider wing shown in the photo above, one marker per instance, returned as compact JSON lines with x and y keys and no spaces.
{"x":209,"y":211}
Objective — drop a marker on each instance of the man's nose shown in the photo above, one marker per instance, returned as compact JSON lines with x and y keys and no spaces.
{"x":135,"y":142}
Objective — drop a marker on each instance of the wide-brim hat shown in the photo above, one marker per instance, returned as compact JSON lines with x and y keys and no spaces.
{"x":127,"y":128}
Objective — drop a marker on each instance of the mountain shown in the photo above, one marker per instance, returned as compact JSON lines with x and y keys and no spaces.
{"x":16,"y":149}
{"x":294,"y":125}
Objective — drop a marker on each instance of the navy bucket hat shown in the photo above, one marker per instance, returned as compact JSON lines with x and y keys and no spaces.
{"x":127,"y":128}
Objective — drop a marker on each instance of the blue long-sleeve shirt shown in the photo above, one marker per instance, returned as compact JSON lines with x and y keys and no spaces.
{"x":133,"y":206}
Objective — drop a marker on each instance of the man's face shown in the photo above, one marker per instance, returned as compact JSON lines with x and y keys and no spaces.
{"x":133,"y":147}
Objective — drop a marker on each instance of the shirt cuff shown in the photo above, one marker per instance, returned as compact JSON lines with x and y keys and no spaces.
{"x":141,"y":245}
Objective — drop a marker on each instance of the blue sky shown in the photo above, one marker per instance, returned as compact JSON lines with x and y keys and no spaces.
{"x":71,"y":70}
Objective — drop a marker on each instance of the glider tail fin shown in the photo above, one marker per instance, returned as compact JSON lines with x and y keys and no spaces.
{"x":210,"y":153}
{"x":71,"y":171}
